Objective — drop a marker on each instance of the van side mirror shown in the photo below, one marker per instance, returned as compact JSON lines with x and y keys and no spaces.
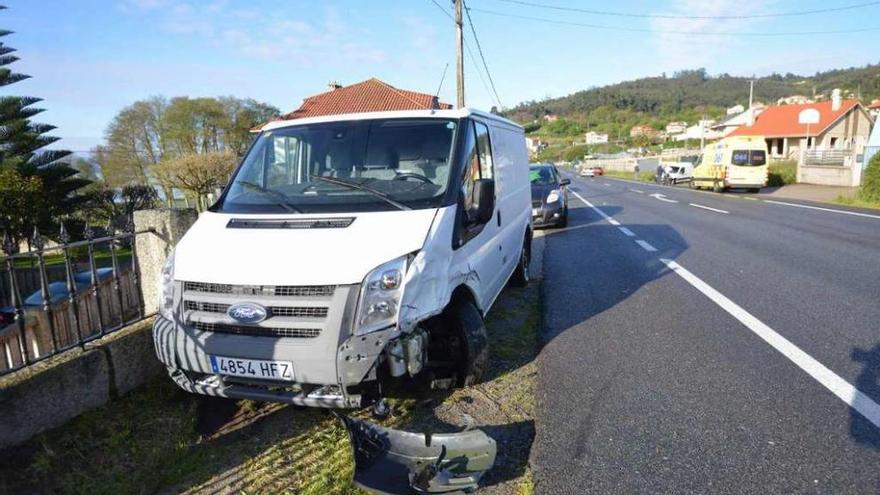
{"x":484,"y":201}
{"x":565,"y":182}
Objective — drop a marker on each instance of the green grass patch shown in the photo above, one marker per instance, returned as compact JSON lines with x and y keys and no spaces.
{"x":856,"y":201}
{"x":781,"y":173}
{"x":643,"y":176}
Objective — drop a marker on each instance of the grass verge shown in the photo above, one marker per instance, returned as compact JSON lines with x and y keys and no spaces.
{"x":856,"y":201}
{"x":155,"y":440}
{"x":643,"y":176}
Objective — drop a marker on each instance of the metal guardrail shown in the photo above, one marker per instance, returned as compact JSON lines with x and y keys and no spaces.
{"x":68,"y":313}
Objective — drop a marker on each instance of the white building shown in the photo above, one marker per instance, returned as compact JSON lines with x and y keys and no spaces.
{"x":534,"y":145}
{"x":595,"y":137}
{"x":703,"y":129}
{"x":734,"y":122}
{"x":736,"y":109}
{"x":676,"y":127}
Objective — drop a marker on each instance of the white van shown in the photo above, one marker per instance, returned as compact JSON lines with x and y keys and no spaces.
{"x":348,"y":251}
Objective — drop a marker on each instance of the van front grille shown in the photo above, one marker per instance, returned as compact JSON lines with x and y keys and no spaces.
{"x":303,"y":333}
{"x":262,"y":290}
{"x":291,"y":311}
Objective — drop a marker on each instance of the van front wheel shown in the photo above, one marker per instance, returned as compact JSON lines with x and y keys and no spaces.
{"x":458,"y":339}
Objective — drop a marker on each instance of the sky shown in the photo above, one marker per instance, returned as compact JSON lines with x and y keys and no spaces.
{"x":90,"y":58}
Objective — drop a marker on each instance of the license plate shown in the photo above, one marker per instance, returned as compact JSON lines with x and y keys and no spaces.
{"x":252,"y":368}
{"x":535,"y":212}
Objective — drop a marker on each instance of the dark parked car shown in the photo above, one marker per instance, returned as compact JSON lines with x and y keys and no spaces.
{"x":549,"y":196}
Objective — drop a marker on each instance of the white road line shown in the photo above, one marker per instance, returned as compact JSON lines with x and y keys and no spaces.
{"x":749,"y":198}
{"x":638,"y":191}
{"x":626,"y":231}
{"x":613,"y":222}
{"x":855,"y":398}
{"x":844,"y":212}
{"x":708,"y":208}
{"x":606,"y":184}
{"x":597,"y":210}
{"x":647,"y":247}
{"x":663,"y":198}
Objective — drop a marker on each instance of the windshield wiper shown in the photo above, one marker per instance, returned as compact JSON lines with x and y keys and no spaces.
{"x":280,"y":199}
{"x":360,"y":187}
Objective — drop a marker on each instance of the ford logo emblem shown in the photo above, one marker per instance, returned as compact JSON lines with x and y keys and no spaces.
{"x":247,"y":312}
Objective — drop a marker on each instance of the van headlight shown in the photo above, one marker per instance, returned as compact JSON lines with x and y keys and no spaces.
{"x":553,"y":196}
{"x":166,"y":288}
{"x":381,"y":293}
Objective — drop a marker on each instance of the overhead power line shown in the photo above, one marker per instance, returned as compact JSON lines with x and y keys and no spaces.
{"x":661,"y":31}
{"x":685,"y":16}
{"x":480,"y":50}
{"x":471,"y":53}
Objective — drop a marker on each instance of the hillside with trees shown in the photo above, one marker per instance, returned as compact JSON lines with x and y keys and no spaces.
{"x":686,"y":96}
{"x":689,"y":89}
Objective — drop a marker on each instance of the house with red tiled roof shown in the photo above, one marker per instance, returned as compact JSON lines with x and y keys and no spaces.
{"x":842,"y":125}
{"x":371,"y":95}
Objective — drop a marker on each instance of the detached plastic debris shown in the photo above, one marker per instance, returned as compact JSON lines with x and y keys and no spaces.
{"x":394,"y":462}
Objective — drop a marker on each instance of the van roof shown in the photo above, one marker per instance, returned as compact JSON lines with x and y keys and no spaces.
{"x":457,"y":113}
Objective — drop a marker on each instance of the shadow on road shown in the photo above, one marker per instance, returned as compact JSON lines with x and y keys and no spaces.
{"x":863,"y":431}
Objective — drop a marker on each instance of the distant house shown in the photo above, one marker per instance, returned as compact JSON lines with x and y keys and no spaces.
{"x":701,"y":130}
{"x":736,"y":110}
{"x":734,"y":122}
{"x":593,"y":137}
{"x":551,"y":117}
{"x":843,"y":125}
{"x":676,"y":127}
{"x":371,"y":95}
{"x":534,"y":145}
{"x":642,"y":129}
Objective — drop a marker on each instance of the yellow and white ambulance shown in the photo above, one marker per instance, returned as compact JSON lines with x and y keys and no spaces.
{"x":733,"y":162}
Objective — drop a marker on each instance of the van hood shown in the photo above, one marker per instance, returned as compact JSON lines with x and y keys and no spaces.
{"x":261,"y":250}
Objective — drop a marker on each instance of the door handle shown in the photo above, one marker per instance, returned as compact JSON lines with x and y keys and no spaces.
{"x":499,"y":218}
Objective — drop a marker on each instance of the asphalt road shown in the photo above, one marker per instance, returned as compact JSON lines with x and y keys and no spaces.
{"x":703,"y":343}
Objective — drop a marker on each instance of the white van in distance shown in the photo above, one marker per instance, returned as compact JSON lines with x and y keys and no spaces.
{"x":346,"y":252}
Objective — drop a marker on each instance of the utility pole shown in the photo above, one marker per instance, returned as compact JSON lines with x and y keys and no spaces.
{"x":751,"y":97}
{"x":459,"y":56}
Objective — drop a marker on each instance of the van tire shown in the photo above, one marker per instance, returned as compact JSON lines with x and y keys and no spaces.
{"x":458,"y":339}
{"x":522,"y":273}
{"x":718,"y":188}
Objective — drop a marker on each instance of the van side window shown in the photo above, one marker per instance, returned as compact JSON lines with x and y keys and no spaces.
{"x":484,"y":145}
{"x":472,"y":168}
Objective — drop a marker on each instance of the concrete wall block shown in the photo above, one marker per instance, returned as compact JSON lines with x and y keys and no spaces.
{"x":132,"y":358}
{"x":152,"y":249}
{"x":51,"y":398}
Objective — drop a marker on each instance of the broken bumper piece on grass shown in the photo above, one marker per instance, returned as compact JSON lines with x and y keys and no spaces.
{"x":393,"y":462}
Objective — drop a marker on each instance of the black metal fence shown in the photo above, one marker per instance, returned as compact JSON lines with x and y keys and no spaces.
{"x":61,"y":296}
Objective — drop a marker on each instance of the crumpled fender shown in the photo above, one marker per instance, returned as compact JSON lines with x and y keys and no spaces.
{"x":432,"y":277}
{"x":395,"y":462}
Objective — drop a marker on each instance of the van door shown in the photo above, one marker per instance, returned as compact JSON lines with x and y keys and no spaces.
{"x":478,"y":244}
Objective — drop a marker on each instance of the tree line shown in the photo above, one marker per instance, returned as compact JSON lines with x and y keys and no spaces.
{"x":183,"y":144}
{"x":154,"y":148}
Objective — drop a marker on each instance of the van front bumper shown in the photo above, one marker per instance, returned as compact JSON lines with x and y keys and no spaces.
{"x":333,"y":369}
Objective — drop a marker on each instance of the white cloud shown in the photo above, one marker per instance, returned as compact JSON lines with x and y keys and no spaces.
{"x":696,"y":50}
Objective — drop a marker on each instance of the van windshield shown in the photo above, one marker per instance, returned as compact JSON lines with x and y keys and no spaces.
{"x":369,"y":165}
{"x":747,"y":158}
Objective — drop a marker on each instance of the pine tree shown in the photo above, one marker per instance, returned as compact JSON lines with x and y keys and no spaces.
{"x":22,"y":144}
